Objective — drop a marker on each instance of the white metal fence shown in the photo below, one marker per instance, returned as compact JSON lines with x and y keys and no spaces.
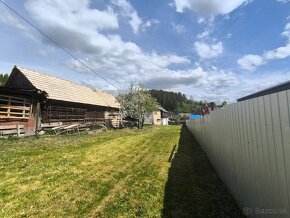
{"x":249,"y":145}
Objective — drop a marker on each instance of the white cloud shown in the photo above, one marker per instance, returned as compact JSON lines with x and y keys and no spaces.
{"x":229,"y":35}
{"x":73,"y":24}
{"x":210,"y":7}
{"x":213,"y":84}
{"x":131,"y":65}
{"x":178,"y":27}
{"x":76,"y":12}
{"x":207,"y":51}
{"x":148,"y":24}
{"x":278,"y":53}
{"x":171,"y":4}
{"x":219,"y":85}
{"x":251,"y":62}
{"x":136,"y":22}
{"x":252,"y":83}
{"x":204,"y":34}
{"x":283,"y":1}
{"x":79,"y":28}
{"x":286,"y":31}
{"x":227,"y":17}
{"x":7,"y":18}
{"x":12,"y":21}
{"x":176,"y":78}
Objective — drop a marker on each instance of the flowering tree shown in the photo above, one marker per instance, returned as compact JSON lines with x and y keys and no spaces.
{"x":136,"y":102}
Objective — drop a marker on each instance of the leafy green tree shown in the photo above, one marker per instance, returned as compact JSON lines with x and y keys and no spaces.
{"x":224,"y":103}
{"x":136,"y":102}
{"x":3,"y":79}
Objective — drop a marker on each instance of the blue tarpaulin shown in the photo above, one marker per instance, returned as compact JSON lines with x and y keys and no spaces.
{"x":194,"y":116}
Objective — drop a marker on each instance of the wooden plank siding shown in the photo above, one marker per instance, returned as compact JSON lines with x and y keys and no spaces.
{"x":71,"y":114}
{"x":63,"y":114}
{"x":12,"y":130}
{"x":14,"y":108}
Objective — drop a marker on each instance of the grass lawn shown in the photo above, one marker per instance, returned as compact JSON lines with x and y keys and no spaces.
{"x":122,"y":173}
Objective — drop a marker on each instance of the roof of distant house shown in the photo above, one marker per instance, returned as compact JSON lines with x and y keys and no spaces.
{"x":59,"y":89}
{"x":162,"y":109}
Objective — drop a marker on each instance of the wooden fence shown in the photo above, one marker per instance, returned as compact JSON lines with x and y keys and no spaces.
{"x":249,"y":145}
{"x":14,"y":108}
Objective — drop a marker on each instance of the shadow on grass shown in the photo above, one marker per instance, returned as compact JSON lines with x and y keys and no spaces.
{"x":193,"y":188}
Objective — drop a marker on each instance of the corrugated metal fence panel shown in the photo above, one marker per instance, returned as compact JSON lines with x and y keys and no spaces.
{"x":249,"y":145}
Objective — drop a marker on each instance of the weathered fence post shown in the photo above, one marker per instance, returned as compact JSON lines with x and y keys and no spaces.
{"x":18,"y":130}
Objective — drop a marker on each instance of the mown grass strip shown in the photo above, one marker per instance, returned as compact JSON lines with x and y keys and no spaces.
{"x":122,"y":173}
{"x":73,"y":176}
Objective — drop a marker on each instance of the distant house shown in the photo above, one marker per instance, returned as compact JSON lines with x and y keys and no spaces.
{"x":159,"y":117}
{"x":31,"y":98}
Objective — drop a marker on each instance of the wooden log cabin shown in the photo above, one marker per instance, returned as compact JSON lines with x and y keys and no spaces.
{"x":31,"y":98}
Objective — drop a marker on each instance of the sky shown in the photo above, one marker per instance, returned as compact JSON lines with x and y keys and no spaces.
{"x":214,"y":50}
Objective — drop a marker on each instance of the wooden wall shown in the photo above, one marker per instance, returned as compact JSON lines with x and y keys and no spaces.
{"x":15,"y":109}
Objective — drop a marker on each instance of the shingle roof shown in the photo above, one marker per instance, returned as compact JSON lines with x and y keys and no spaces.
{"x":64,"y":90}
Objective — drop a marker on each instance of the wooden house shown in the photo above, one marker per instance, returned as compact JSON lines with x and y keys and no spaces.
{"x":32,"y":98}
{"x":158,"y":117}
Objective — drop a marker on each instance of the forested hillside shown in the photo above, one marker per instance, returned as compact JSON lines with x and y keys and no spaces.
{"x":176,"y":102}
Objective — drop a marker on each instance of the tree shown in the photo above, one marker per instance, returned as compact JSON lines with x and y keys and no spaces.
{"x":136,"y":102}
{"x":3,"y":79}
{"x":176,"y":102}
{"x":224,"y":103}
{"x":212,"y":105}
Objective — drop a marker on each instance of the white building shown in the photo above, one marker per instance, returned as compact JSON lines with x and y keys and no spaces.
{"x":159,"y":117}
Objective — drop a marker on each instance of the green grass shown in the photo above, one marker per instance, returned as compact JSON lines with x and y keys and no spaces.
{"x":122,"y":173}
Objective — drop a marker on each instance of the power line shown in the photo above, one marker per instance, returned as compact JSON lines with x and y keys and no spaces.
{"x":59,"y":45}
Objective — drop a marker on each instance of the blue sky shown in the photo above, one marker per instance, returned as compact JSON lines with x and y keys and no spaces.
{"x":211,"y":50}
